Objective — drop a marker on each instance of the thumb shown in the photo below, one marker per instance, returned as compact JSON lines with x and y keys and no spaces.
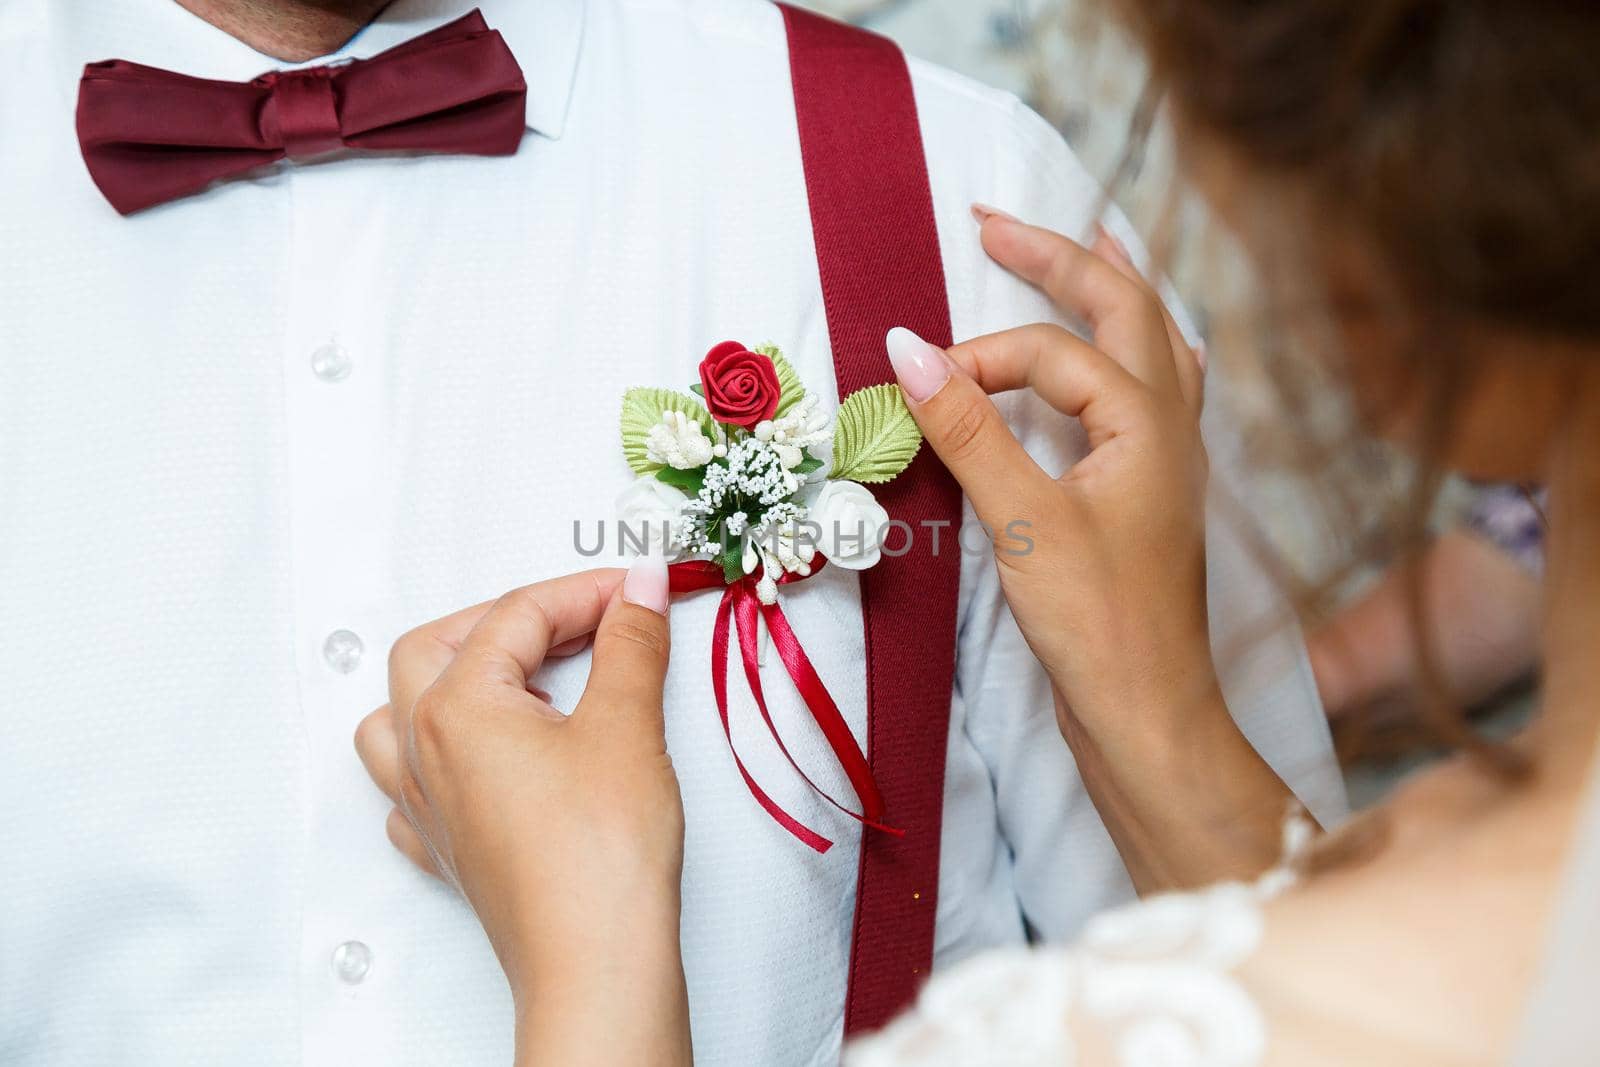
{"x":631,"y":648}
{"x":964,"y":427}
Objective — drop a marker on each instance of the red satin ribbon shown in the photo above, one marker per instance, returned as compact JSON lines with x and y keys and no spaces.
{"x":739,"y":610}
{"x":149,"y":135}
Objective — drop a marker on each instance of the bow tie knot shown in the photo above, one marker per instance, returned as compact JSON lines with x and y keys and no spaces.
{"x":149,"y":135}
{"x":302,"y":115}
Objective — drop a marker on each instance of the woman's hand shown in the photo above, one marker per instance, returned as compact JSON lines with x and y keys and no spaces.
{"x":1111,"y":593}
{"x":564,"y":833}
{"x":1103,"y":565}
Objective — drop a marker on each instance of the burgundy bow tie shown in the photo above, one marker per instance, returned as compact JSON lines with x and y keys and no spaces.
{"x":149,"y":135}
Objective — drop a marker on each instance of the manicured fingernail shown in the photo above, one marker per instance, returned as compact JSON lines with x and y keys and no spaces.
{"x":646,"y":583}
{"x":983,"y":213}
{"x":921,"y":368}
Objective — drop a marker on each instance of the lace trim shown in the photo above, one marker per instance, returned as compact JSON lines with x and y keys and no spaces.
{"x":1154,"y":979}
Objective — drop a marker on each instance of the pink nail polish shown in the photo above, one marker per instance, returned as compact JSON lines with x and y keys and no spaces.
{"x":646,"y":583}
{"x":921,"y":368}
{"x":983,"y":213}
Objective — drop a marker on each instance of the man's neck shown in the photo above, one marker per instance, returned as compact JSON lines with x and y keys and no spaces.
{"x":291,"y":30}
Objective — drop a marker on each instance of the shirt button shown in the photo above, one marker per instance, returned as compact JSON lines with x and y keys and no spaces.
{"x":331,"y":362}
{"x":343,"y":651}
{"x":351,"y":962}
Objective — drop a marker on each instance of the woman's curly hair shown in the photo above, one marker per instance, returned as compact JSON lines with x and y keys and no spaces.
{"x":1460,"y":137}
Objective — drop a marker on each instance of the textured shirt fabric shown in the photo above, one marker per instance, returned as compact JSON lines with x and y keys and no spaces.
{"x":347,"y":397}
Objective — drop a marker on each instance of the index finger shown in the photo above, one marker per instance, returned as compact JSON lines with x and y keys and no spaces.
{"x":1127,"y":321}
{"x":1064,"y":371}
{"x":420,"y":656}
{"x":510,"y":641}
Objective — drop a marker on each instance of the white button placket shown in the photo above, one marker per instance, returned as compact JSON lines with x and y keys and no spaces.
{"x":336,"y":381}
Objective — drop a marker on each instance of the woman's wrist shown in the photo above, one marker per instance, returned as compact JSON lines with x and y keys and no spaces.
{"x":614,"y":994}
{"x":596,"y":936}
{"x":1185,"y":796}
{"x":1146,"y":706}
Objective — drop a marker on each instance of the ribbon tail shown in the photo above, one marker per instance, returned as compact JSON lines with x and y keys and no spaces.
{"x":719,"y":682}
{"x":826,"y":713}
{"x":748,"y":611}
{"x":747,"y":614}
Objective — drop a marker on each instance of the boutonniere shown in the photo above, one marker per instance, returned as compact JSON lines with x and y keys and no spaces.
{"x":752,"y":484}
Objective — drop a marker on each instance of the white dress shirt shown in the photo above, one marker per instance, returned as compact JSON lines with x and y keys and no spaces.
{"x":250,"y":437}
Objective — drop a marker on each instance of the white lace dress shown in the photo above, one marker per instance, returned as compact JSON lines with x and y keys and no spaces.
{"x":1149,"y":985}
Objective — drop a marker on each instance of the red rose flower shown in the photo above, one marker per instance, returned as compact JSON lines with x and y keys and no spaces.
{"x":741,"y":386}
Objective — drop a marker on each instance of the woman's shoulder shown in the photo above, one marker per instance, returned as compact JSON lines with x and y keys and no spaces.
{"x":1421,"y":955}
{"x":1424,"y":952}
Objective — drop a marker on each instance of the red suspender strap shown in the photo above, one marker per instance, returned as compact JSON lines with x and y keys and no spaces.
{"x":878,"y":251}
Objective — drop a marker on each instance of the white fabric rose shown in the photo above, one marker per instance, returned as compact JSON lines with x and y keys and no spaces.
{"x":648,"y":511}
{"x":852,"y":525}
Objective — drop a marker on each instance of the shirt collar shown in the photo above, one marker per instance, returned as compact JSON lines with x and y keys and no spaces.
{"x":545,"y":36}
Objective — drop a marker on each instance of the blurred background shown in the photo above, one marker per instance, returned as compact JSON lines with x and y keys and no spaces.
{"x":1054,"y":54}
{"x":1062,"y":58}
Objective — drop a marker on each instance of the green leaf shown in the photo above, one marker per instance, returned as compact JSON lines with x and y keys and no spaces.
{"x":790,"y":391}
{"x":875,"y":437}
{"x":697,"y":389}
{"x":642,"y":409}
{"x":732,"y":558}
{"x":809,"y":464}
{"x":690,"y":481}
